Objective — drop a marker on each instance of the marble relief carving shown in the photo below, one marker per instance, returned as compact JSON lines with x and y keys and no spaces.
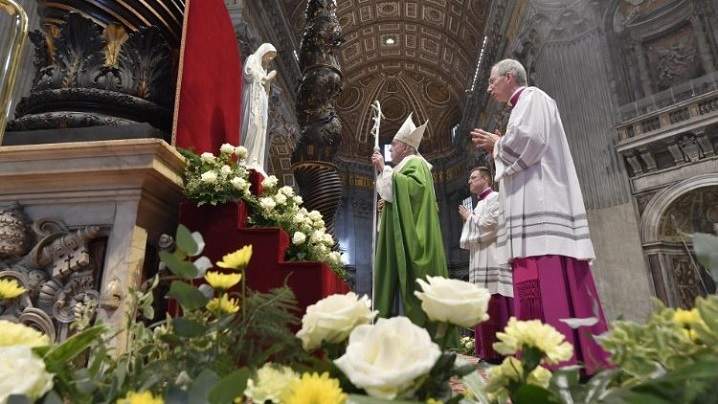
{"x":57,"y":267}
{"x":673,"y":58}
{"x":688,"y":284}
{"x":693,"y":212}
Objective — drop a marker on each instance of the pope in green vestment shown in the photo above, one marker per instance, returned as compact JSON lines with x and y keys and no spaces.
{"x":410,"y":244}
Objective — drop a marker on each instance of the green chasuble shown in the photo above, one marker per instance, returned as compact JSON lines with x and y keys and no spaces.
{"x":409,"y":245}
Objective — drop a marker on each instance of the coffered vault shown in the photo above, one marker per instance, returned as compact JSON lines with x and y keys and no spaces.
{"x":412,"y":56}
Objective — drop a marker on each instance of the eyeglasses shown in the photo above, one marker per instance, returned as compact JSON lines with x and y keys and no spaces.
{"x":492,"y":80}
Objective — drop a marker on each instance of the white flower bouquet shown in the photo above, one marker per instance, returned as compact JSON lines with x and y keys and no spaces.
{"x":224,"y":178}
{"x":215,"y":180}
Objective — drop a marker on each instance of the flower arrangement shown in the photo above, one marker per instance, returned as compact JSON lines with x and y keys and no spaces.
{"x":467,"y":345}
{"x":232,"y":344}
{"x":215,"y":180}
{"x":281,"y":207}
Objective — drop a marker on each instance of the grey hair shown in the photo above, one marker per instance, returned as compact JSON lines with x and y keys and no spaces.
{"x":514,"y":67}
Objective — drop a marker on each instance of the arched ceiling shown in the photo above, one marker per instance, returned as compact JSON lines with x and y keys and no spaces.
{"x":427,"y":69}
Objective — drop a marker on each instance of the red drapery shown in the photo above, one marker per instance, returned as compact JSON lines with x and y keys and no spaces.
{"x":208,"y":100}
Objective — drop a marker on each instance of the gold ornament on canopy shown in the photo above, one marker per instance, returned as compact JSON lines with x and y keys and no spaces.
{"x":13,"y":43}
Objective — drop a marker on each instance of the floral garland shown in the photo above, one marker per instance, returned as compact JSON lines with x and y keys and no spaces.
{"x":224,"y":178}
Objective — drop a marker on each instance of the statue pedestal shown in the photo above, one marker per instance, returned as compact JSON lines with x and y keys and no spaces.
{"x":130,"y":188}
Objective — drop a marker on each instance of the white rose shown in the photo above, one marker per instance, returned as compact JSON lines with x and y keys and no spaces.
{"x":453,"y":301}
{"x":328,"y":240}
{"x":270,"y":182}
{"x":239,"y":183}
{"x":207,"y":157}
{"x":240,"y":152}
{"x":335,"y":257}
{"x":287,"y":191}
{"x":225,"y":170}
{"x":281,"y":199}
{"x":333,"y":318}
{"x":267,"y":203}
{"x":22,"y":373}
{"x":319,"y":224}
{"x":298,"y":199}
{"x":317,"y":236}
{"x":299,"y":218}
{"x":226,"y":149}
{"x":209,"y":177}
{"x":299,"y":238}
{"x":387,"y":358}
{"x":315,"y":215}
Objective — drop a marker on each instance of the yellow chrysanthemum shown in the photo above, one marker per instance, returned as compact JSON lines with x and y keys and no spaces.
{"x":223,"y":303}
{"x":498,"y":380}
{"x":522,"y":334}
{"x":222,"y":281}
{"x":10,"y":289}
{"x":314,"y":389}
{"x":143,"y":397}
{"x":511,"y":371}
{"x":540,"y":377}
{"x":19,"y":334}
{"x":433,"y":401}
{"x":687,"y":317}
{"x":690,"y":334}
{"x":236,"y":260}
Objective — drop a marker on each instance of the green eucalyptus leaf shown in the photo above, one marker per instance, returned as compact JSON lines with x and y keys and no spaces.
{"x":52,"y":398}
{"x":185,"y":327}
{"x":230,"y":387}
{"x":176,"y":395}
{"x":178,"y":266}
{"x":185,"y":241}
{"x":148,"y":311}
{"x":202,"y":386}
{"x":18,"y":399}
{"x":189,"y":297}
{"x":84,"y":383}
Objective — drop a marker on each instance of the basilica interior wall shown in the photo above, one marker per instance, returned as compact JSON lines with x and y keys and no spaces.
{"x":619,"y":269}
{"x":566,"y":54}
{"x":573,"y":53}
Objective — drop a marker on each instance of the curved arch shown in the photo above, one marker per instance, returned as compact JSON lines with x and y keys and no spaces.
{"x":657,"y":206}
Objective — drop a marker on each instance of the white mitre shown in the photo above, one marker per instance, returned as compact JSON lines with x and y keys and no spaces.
{"x":410,"y":134}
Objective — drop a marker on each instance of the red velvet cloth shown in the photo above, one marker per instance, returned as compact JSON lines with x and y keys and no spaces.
{"x":222,"y":228}
{"x":209,"y":83}
{"x":500,"y":309}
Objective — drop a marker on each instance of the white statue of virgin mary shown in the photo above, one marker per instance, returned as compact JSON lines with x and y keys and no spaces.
{"x":255,"y":105}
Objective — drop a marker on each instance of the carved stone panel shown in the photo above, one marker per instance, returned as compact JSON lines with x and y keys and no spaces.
{"x":58,"y":269}
{"x":673,"y":58}
{"x":697,"y":211}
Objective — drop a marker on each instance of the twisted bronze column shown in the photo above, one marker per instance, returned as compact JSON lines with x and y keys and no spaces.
{"x":321,"y":130}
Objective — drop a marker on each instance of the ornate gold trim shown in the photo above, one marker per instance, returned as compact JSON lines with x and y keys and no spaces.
{"x":10,"y":69}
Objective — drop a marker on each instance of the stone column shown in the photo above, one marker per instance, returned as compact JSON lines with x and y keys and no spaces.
{"x":643,"y":73}
{"x":704,"y":49}
{"x":132,"y":188}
